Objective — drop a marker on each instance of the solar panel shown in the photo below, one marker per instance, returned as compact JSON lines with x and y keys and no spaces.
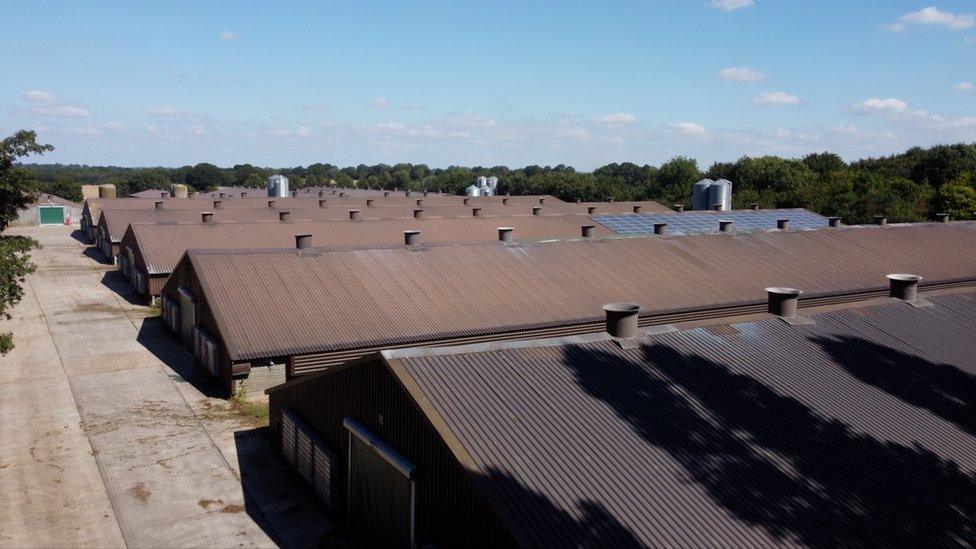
{"x":700,"y":222}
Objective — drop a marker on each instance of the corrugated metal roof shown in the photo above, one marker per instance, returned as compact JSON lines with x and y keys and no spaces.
{"x":327,"y":300}
{"x":855,"y":431}
{"x":162,"y":245}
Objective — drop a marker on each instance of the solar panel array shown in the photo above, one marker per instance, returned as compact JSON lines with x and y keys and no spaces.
{"x":699,"y":222}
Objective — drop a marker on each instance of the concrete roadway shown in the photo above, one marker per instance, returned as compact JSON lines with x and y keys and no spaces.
{"x":106,"y":438}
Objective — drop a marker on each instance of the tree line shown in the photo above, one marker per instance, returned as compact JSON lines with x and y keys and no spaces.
{"x":910,"y":186}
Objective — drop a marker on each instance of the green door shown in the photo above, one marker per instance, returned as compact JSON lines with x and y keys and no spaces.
{"x":51,"y":215}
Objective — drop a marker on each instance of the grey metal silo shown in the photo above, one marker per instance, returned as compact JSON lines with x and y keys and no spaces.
{"x":700,"y":195}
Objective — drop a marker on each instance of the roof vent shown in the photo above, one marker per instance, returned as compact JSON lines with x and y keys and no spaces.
{"x":369,"y":202}
{"x":303,"y":241}
{"x":321,"y":194}
{"x":783,"y":223}
{"x":418,"y":213}
{"x":942,"y":217}
{"x":587,"y":230}
{"x":408,"y":194}
{"x":271,"y":203}
{"x":420,"y":201}
{"x":191,"y":194}
{"x":506,"y":234}
{"x":386,"y":194}
{"x":207,"y":217}
{"x":425,"y":192}
{"x":881,"y":220}
{"x":354,"y":215}
{"x":243,"y":195}
{"x":725,"y":225}
{"x":717,"y":207}
{"x":505,"y":201}
{"x":661,"y":228}
{"x":637,"y":209}
{"x":536,"y":210}
{"x":222,"y":195}
{"x":754,"y":206}
{"x":833,"y":221}
{"x":294,"y":193}
{"x":342,"y":194}
{"x":542,"y":201}
{"x":333,"y":191}
{"x":159,"y":204}
{"x":217,"y":204}
{"x":678,"y":207}
{"x":465,"y":201}
{"x":903,"y":286}
{"x":476,"y":212}
{"x":284,"y":216}
{"x":622,"y":319}
{"x":411,"y":237}
{"x":579,"y":200}
{"x":782,"y":302}
{"x":610,"y":199}
{"x":323,"y":203}
{"x":591,"y":210}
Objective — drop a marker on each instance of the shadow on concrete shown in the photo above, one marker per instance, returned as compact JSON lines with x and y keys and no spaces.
{"x":942,"y":389}
{"x":278,"y":499}
{"x":113,"y":280}
{"x":96,"y":255}
{"x":80,"y":236}
{"x":731,"y":433}
{"x":164,"y":345}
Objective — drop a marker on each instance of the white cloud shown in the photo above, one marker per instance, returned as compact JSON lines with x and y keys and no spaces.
{"x":885,"y":106}
{"x":932,"y":16}
{"x":963,"y":86}
{"x":731,"y":5}
{"x":43,"y":103}
{"x":320,"y":107}
{"x":776,"y":98}
{"x":615,"y":118}
{"x":741,"y":74}
{"x":228,"y":36}
{"x":115,"y":127}
{"x":167,"y":111}
{"x":380,"y":103}
{"x":693,"y":128}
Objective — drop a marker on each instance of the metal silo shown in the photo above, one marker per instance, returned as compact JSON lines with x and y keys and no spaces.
{"x":700,"y":195}
{"x":278,"y":186}
{"x":720,"y":192}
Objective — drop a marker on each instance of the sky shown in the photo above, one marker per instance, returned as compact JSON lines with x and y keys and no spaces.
{"x":284,"y":84}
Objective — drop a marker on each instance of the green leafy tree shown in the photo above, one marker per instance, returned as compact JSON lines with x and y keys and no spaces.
{"x":64,"y":186}
{"x":206,"y":177}
{"x":675,"y":179}
{"x":17,"y":189}
{"x":958,"y":198}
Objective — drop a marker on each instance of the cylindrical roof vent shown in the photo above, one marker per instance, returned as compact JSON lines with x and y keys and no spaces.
{"x":425,"y":192}
{"x":610,"y":199}
{"x":465,"y":201}
{"x":754,"y":206}
{"x":725,"y":225}
{"x":942,"y":217}
{"x":191,"y":194}
{"x":207,"y":217}
{"x":420,"y":201}
{"x":506,"y":234}
{"x":342,"y":194}
{"x":411,"y":237}
{"x":903,"y":286}
{"x":354,"y":214}
{"x":386,"y":194}
{"x":637,"y":209}
{"x":542,"y":201}
{"x":833,"y":221}
{"x":717,"y":207}
{"x":217,"y":204}
{"x":408,"y":194}
{"x":284,"y":216}
{"x":418,"y":213}
{"x":221,"y":195}
{"x":678,"y":207}
{"x":587,"y":231}
{"x":536,"y":210}
{"x":476,"y":212}
{"x":661,"y":228}
{"x":294,"y":193}
{"x":783,"y":301}
{"x":323,"y":203}
{"x":505,"y":201}
{"x":881,"y":220}
{"x":271,"y":203}
{"x":333,"y":191}
{"x":579,"y":200}
{"x":159,"y":204}
{"x":369,"y":202}
{"x":303,"y":241}
{"x":783,"y":223}
{"x":321,"y":194}
{"x":591,"y":210}
{"x":622,"y":319}
{"x":243,"y":195}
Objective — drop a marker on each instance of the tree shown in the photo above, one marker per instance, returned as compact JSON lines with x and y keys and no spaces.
{"x":675,"y":178}
{"x":206,"y":177}
{"x":17,"y":190}
{"x":65,"y":187}
{"x":958,"y":198}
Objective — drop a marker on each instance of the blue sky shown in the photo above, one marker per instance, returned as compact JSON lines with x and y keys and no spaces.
{"x":515,"y":83}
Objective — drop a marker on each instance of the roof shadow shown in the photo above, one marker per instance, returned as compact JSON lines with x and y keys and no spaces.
{"x":113,"y":280}
{"x":772,"y":462}
{"x":942,"y":389}
{"x":166,"y":346}
{"x":80,"y":236}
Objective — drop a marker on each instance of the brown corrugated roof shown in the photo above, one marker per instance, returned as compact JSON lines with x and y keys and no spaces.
{"x":328,"y":300}
{"x":162,"y":245}
{"x":856,"y":431}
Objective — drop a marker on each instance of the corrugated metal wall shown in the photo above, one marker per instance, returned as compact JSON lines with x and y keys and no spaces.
{"x":449,"y":511}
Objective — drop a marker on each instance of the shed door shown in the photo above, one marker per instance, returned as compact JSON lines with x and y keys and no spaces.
{"x":51,"y":215}
{"x":187,"y":316}
{"x":381,"y":496}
